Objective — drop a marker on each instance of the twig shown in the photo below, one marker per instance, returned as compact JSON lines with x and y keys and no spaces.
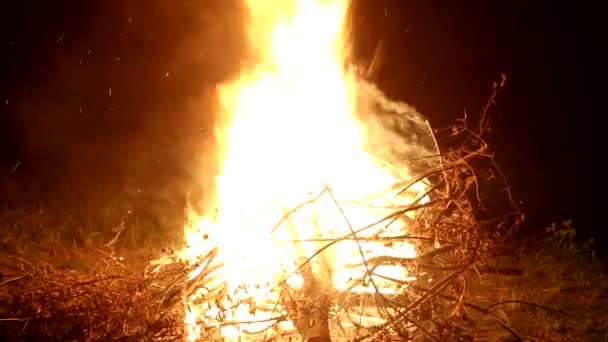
{"x":538,"y":306}
{"x":354,"y":234}
{"x":298,"y":207}
{"x":15,"y":319}
{"x":12,"y":279}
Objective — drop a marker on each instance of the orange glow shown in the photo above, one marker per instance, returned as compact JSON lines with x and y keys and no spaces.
{"x":289,"y":135}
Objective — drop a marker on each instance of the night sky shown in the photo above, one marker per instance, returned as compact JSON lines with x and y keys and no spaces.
{"x":83,"y":80}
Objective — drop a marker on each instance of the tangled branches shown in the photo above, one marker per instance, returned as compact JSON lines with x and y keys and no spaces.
{"x":41,"y":303}
{"x":457,"y":225}
{"x":384,"y":290}
{"x":457,"y":236}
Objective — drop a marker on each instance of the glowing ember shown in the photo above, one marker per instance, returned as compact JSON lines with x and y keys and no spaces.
{"x":291,"y":138}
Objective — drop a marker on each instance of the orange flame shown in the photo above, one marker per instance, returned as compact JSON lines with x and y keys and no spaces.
{"x":291,"y":136}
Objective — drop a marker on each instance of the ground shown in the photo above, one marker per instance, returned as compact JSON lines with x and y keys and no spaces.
{"x":54,"y":250}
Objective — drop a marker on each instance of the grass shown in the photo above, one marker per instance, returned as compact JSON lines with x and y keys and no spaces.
{"x":559,"y":292}
{"x":69,"y":231}
{"x":561,"y":295}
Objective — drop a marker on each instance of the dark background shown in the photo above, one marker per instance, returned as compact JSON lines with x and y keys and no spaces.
{"x":118,"y":92}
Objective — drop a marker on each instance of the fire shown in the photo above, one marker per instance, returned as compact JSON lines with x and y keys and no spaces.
{"x":291,"y":140}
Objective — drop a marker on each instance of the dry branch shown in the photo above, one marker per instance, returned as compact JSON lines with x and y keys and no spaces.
{"x":112,"y":304}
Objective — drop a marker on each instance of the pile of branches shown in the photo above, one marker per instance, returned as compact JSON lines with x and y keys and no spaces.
{"x":111,"y":303}
{"x":461,"y":235}
{"x":458,"y":235}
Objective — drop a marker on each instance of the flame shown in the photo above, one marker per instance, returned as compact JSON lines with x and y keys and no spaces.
{"x":291,"y":139}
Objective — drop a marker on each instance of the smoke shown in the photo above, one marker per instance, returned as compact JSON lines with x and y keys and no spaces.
{"x":397,"y":133}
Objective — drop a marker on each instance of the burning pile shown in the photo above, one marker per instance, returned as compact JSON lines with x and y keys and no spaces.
{"x":303,"y":202}
{"x":337,"y":217}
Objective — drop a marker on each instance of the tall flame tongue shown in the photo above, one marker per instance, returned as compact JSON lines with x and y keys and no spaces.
{"x":291,"y":136}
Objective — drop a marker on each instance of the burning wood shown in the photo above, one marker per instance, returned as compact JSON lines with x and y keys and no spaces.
{"x":337,"y":217}
{"x":381,"y":292}
{"x":307,"y":144}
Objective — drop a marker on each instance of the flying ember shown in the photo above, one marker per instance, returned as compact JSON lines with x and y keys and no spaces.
{"x":299,"y":189}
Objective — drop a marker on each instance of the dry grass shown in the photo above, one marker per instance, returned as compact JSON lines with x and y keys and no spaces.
{"x":96,"y":295}
{"x":102,"y":302}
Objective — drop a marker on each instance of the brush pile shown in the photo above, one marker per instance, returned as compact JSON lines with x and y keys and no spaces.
{"x":109,"y":303}
{"x":458,"y":236}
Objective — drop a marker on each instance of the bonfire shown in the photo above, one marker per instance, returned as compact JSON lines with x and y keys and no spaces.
{"x":335,"y":216}
{"x":320,"y":179}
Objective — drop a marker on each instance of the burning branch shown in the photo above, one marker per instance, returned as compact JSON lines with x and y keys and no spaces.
{"x":452,"y":240}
